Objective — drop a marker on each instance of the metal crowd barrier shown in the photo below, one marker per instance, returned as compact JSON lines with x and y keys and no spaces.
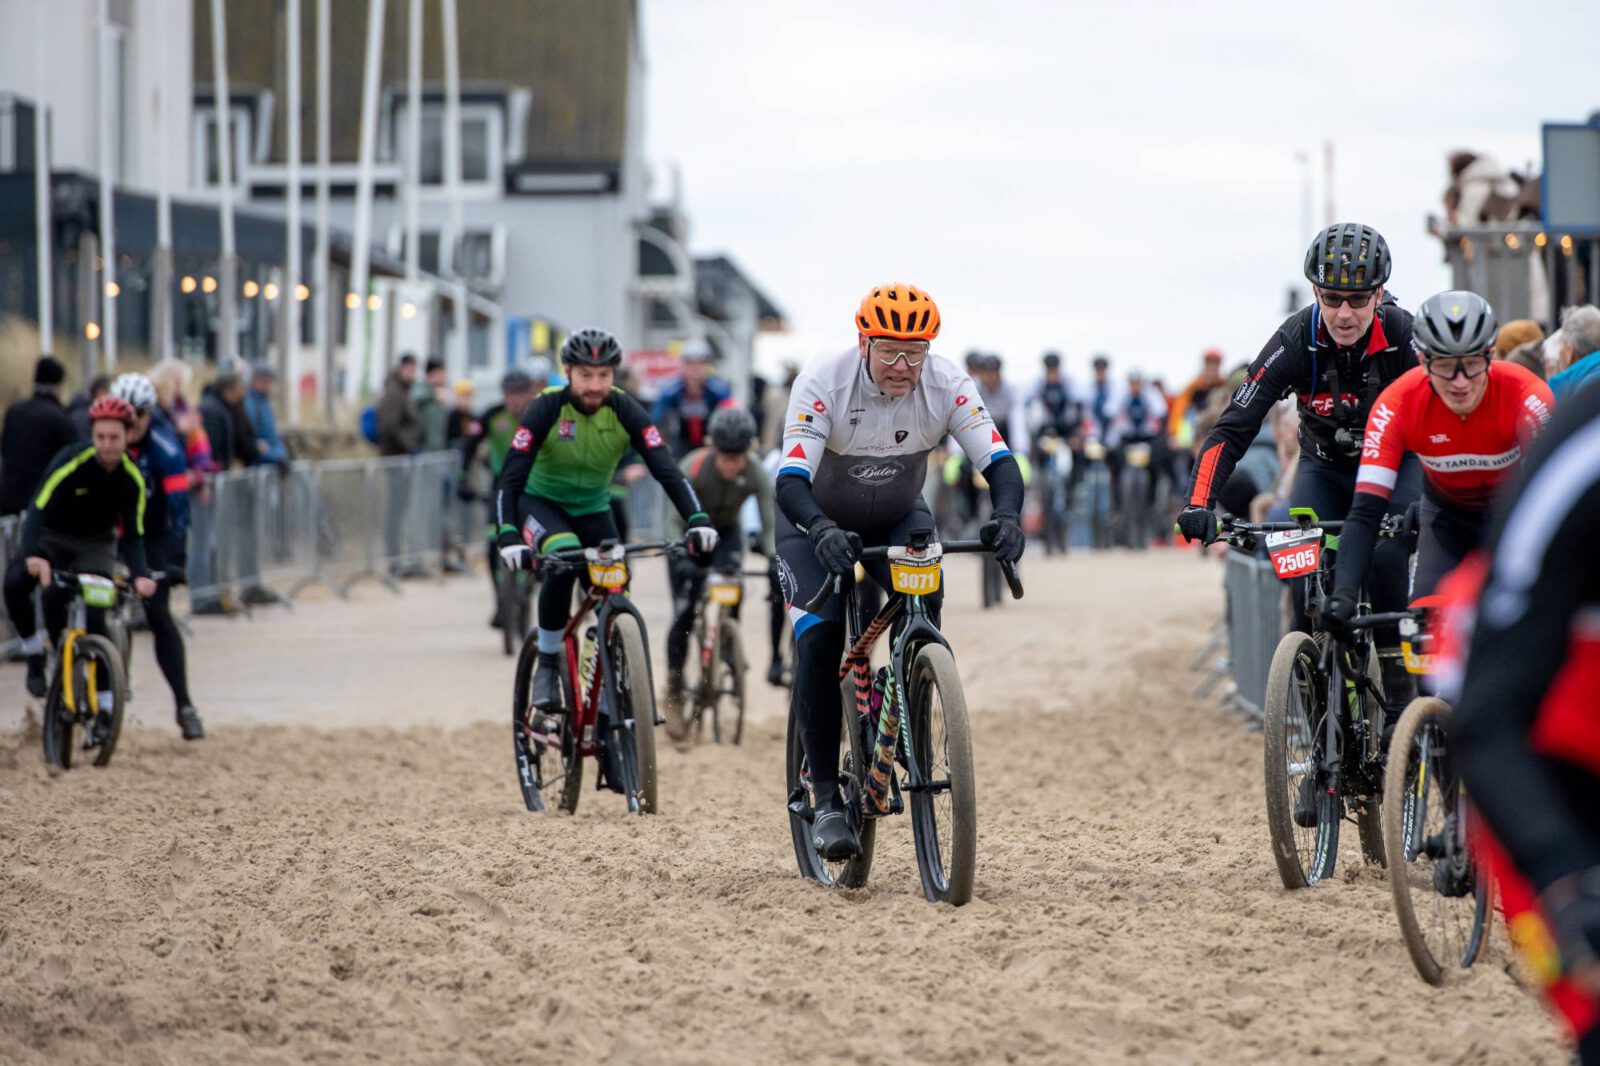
{"x":269,"y":532}
{"x":1255,"y":622}
{"x":10,"y":538}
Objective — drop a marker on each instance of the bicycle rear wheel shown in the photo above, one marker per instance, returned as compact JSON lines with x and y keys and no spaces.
{"x":1441,"y":896}
{"x":848,"y":873}
{"x":1292,"y":728}
{"x":944,"y":803}
{"x":633,"y":714}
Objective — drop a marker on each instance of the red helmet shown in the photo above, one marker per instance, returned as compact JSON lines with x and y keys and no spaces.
{"x":113,"y":407}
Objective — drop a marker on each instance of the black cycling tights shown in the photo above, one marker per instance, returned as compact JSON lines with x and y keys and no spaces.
{"x":169,"y":644}
{"x":816,"y":706}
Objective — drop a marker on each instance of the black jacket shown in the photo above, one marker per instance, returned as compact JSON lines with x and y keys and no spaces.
{"x":80,"y":498}
{"x":35,"y":430}
{"x":1335,"y":388}
{"x":221,"y":426}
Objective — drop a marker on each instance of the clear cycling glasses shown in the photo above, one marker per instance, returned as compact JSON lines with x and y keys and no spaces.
{"x":890,"y":351}
{"x":1332,"y":300}
{"x":1449,"y":367}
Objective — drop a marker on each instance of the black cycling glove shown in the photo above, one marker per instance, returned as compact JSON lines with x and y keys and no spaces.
{"x":836,"y":549}
{"x":1197,"y":523}
{"x":1008,"y":541}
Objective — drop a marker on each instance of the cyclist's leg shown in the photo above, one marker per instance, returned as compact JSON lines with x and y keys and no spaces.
{"x":551,"y":530}
{"x":1388,"y":581}
{"x":619,"y":516}
{"x":493,"y":554}
{"x":819,"y":645}
{"x":1446,"y":536}
{"x":1327,"y":492}
{"x":170,"y":653}
{"x":19,"y":586}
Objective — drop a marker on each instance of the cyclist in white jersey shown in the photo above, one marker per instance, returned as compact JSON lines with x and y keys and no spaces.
{"x":856,"y":440}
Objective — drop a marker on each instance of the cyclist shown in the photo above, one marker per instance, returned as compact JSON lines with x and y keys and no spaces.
{"x":554,"y":488}
{"x":495,"y":428}
{"x":855,"y":453}
{"x":1335,"y":356}
{"x":164,"y":467}
{"x":1527,"y":725}
{"x":685,"y":405}
{"x":723,"y":476}
{"x":1139,"y":416}
{"x":1466,"y":416}
{"x":87,"y":492}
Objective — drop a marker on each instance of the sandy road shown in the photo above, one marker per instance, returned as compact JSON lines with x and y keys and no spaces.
{"x":343,"y":872}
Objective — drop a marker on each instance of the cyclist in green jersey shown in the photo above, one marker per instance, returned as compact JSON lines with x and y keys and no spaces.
{"x":555,"y":486}
{"x":494,"y":428}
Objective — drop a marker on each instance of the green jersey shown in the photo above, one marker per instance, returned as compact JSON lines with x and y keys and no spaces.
{"x":567,"y":457}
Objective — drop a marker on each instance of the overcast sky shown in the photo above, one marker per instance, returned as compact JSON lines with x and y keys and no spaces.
{"x":1087,"y":176}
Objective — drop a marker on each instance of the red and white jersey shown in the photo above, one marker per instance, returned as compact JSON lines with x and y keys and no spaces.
{"x":1464,"y":458}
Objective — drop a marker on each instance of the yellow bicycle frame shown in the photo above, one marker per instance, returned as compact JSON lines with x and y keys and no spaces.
{"x":69,"y":645}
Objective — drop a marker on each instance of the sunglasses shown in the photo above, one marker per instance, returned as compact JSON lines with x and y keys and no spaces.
{"x":1332,"y":300}
{"x":914,"y":353}
{"x":1448,"y":368}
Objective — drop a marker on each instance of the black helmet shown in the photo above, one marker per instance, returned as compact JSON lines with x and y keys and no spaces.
{"x":516,"y":381}
{"x":591,"y":347}
{"x":1455,"y":323}
{"x":731,"y":429}
{"x":1348,"y":257}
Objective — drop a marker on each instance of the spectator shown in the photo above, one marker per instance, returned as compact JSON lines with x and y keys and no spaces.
{"x":399,"y":422}
{"x":218,"y":407}
{"x":459,"y":422}
{"x":1514,"y":334}
{"x":429,"y":396}
{"x":1580,"y":351}
{"x":78,"y":409}
{"x":263,"y":423}
{"x":35,"y":430}
{"x":1529,"y":356}
{"x":171,"y":378}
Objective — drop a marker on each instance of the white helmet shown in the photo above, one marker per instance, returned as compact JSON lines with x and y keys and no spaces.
{"x":137,"y":390}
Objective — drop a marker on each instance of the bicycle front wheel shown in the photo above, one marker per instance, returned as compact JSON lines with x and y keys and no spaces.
{"x":727,"y":715}
{"x":1441,"y":896}
{"x":944,"y":802}
{"x":99,"y":693}
{"x":633,"y":714}
{"x":1302,"y":815}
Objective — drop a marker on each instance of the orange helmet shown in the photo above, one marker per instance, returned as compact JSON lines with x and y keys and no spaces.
{"x":903,"y":312}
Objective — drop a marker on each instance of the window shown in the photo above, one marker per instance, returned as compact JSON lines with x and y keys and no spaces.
{"x":206,"y":160}
{"x":482,"y":252}
{"x":482,"y":144}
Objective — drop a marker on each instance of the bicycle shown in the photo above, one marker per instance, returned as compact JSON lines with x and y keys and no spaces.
{"x":84,"y":667}
{"x":1318,"y":764}
{"x":1137,"y":517}
{"x":1055,"y":487}
{"x":1096,"y":488}
{"x":1427,"y":833}
{"x":608,"y":709}
{"x":514,"y":592}
{"x":720,"y":666}
{"x":911,"y":714}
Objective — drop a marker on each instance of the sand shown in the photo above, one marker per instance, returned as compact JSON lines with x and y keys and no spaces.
{"x":343,"y":871}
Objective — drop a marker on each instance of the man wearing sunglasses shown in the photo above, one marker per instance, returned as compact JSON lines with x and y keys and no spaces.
{"x":1334,"y":357}
{"x":1467,"y":417}
{"x":855,"y":450}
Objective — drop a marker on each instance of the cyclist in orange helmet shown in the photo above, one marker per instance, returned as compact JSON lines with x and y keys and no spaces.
{"x":855,"y":455}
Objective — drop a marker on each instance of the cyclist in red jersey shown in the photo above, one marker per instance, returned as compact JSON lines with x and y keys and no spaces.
{"x":1526,"y":729}
{"x":1466,"y":418}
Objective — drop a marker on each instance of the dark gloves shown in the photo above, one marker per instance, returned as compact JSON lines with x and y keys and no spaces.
{"x":700,"y":538}
{"x":1197,"y":523}
{"x":464,"y":491}
{"x":1337,"y":614}
{"x":836,"y":549}
{"x":1572,"y":905}
{"x":175,"y":574}
{"x":1008,"y":542}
